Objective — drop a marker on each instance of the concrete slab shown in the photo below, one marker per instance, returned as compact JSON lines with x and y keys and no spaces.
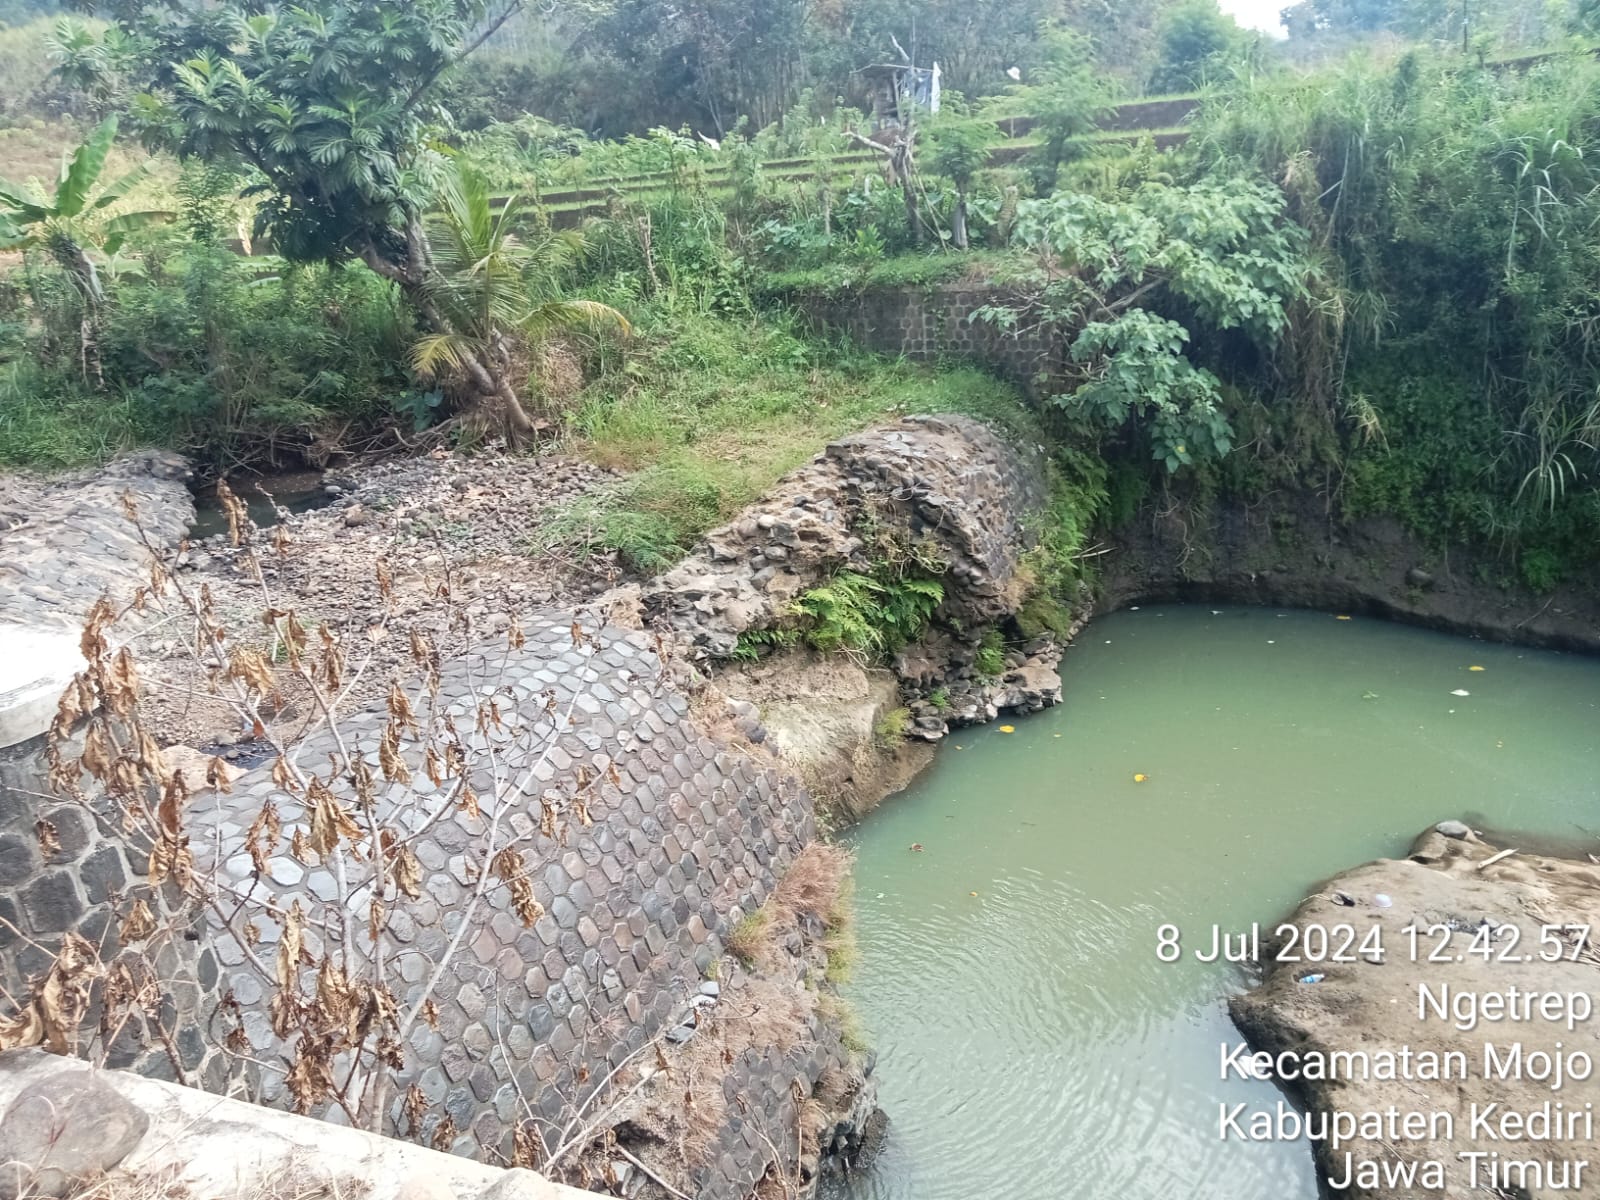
{"x":36,"y":664}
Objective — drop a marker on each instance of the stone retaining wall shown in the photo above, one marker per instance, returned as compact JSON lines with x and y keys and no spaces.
{"x":689,"y":838}
{"x":928,"y":323}
{"x":947,"y":489}
{"x":680,"y":836}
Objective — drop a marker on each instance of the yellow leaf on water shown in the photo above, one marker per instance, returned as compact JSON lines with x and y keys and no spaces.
{"x":1475,"y":668}
{"x":1008,"y":729}
{"x":1140,"y":778}
{"x":972,"y":893}
{"x":1341,"y":617}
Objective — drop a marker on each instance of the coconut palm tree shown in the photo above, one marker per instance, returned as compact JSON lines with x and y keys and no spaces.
{"x":494,"y":296}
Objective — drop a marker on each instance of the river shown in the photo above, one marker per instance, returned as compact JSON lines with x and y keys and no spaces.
{"x":1030,"y":1043}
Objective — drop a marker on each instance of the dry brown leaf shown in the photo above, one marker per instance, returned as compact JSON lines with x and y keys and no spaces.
{"x":139,"y":924}
{"x":408,"y":873}
{"x":394,"y":766}
{"x":288,"y":965}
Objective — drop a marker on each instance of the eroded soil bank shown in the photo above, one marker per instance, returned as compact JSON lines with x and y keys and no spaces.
{"x":1295,"y":551}
{"x":1466,"y":1045}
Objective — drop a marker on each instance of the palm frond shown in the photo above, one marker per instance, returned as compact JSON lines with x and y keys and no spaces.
{"x":437,"y":353}
{"x":574,"y":316}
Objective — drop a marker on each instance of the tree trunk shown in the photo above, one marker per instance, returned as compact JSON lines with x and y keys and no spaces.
{"x":488,"y":374}
{"x":958,"y":222}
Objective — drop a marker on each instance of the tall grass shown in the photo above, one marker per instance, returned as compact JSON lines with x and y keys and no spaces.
{"x":1457,"y":208}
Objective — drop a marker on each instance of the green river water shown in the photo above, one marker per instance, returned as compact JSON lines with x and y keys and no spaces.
{"x":1031,"y":1046}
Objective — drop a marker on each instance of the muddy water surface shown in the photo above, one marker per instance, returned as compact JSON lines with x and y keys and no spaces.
{"x":1030,"y":1044}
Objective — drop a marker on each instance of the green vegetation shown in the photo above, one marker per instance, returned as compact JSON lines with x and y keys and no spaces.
{"x":991,"y":657}
{"x":1379,"y":277}
{"x":874,"y":615}
{"x":891,"y":728}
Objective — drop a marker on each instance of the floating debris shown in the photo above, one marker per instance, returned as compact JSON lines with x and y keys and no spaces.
{"x":1140,"y":778}
{"x":1008,"y":729}
{"x":1341,"y":617}
{"x":1461,"y":692}
{"x":917,"y":846}
{"x":1477,"y":668}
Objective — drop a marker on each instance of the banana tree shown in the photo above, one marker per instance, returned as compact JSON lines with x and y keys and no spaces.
{"x":67,"y":221}
{"x":491,"y":295}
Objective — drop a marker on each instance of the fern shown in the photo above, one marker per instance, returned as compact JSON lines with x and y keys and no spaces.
{"x":844,"y":614}
{"x":866,"y":614}
{"x":753,"y":643}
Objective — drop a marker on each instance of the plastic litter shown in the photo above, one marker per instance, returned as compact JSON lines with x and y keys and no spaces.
{"x":1312,"y":978}
{"x":1382,"y":900}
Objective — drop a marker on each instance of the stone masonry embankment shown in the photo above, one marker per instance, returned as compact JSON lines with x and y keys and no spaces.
{"x":680,"y":836}
{"x":946,"y":490}
{"x":940,"y":321}
{"x":944,"y":496}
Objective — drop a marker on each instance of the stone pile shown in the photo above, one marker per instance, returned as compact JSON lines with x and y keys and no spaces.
{"x":947,"y":489}
{"x":946,"y":689}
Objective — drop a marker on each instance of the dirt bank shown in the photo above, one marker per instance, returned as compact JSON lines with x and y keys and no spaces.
{"x":1499,"y":946}
{"x":1293,"y":551}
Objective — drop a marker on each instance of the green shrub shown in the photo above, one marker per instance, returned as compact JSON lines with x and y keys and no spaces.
{"x":1541,"y":570}
{"x":198,"y":351}
{"x":990,"y":660}
{"x":892,"y":727}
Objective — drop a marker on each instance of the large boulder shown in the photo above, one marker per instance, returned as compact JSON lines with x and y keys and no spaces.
{"x":63,"y":1130}
{"x":1487,"y":923}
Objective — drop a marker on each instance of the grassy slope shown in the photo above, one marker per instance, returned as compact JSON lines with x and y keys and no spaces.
{"x":710,"y":411}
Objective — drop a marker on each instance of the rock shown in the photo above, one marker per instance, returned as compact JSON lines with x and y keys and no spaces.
{"x":357,"y":516}
{"x":971,"y":493}
{"x":1454,"y":829}
{"x":517,"y":1184}
{"x":67,"y":1127}
{"x":711,"y":988}
{"x":1417,"y":577}
{"x":425,"y":1187}
{"x":1450,"y":881}
{"x":680,"y":1034}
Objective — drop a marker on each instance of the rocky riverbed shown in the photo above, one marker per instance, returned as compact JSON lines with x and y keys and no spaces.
{"x":469,"y":524}
{"x":1467,"y":1040}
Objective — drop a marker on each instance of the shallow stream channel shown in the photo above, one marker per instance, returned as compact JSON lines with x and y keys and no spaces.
{"x":1030,"y":1043}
